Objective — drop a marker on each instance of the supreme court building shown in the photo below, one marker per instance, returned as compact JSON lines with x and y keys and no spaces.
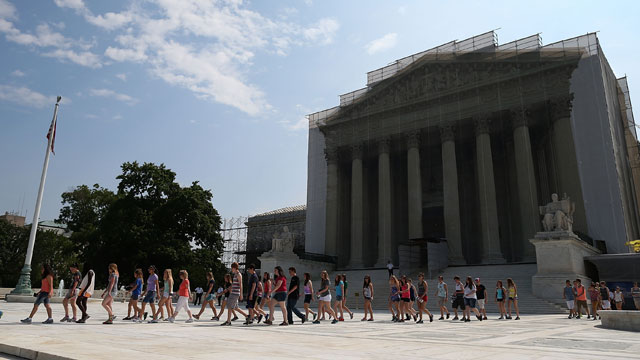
{"x":461,"y":144}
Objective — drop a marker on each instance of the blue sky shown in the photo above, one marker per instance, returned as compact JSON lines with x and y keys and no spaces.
{"x":218,"y":90}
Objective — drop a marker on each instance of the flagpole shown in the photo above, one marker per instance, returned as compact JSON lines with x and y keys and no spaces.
{"x":24,"y":282}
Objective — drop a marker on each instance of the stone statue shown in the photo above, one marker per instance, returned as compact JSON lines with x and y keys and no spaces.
{"x":283,"y":242}
{"x":558,"y":214}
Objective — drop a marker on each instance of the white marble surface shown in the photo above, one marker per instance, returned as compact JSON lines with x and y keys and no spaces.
{"x":532,"y":337}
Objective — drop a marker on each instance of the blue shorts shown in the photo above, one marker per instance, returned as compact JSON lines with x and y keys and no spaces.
{"x":470,"y":302}
{"x":210,"y":297}
{"x":280,"y":296}
{"x":43,"y":297}
{"x":150,"y":297}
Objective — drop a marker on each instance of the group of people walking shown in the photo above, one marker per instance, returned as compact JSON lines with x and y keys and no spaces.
{"x":599,"y":294}
{"x":406,"y":300}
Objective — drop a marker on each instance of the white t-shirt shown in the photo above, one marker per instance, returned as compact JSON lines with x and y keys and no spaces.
{"x":199,"y":290}
{"x":390,"y":266}
{"x":468,"y":290}
{"x":85,"y":280}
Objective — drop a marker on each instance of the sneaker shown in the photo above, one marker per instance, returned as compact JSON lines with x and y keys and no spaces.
{"x":145,"y":315}
{"x":467,"y":320}
{"x":463,"y":319}
{"x":127,"y":318}
{"x":26,"y":321}
{"x":259,"y":318}
{"x":479,"y":317}
{"x":189,"y":321}
{"x":48,"y":321}
{"x":419,"y":322}
{"x":316,"y":321}
{"x":165,"y":319}
{"x":64,"y":319}
{"x":441,"y":318}
{"x":455,"y":318}
{"x":341,"y":319}
{"x":370,"y":319}
{"x":415,"y":317}
{"x":303,"y":320}
{"x":588,"y":316}
{"x":570,"y":316}
{"x":430,"y":318}
{"x":334,"y":321}
{"x":197,"y":317}
{"x":81,"y":321}
{"x":107,"y":322}
{"x":447,"y":316}
{"x":72,"y":320}
{"x":171,"y":320}
{"x":226,"y":323}
{"x":284,"y":324}
{"x":351,"y":316}
{"x":484,"y":318}
{"x":152,"y":321}
{"x":502,"y":317}
{"x":215,"y":318}
{"x":269,"y":322}
{"x":315,"y":315}
{"x":234,"y":318}
{"x":517,"y":317}
{"x":363,"y":319}
{"x":113,"y":317}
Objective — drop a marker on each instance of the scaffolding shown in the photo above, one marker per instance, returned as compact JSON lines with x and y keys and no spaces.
{"x":234,"y":235}
{"x":486,"y":42}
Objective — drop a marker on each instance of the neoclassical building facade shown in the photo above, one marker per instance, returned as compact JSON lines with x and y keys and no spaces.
{"x":462,"y":143}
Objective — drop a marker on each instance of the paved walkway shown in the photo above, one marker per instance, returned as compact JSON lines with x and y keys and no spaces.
{"x":533,"y":337}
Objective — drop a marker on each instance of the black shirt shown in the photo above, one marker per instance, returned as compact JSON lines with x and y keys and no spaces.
{"x":253,"y":279}
{"x":211,"y":286}
{"x":294,"y":282}
{"x":480,"y":292}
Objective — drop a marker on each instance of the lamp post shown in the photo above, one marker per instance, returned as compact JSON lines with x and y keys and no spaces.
{"x":24,"y":282}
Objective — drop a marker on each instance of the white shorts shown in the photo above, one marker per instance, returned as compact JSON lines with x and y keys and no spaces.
{"x":571,"y":304}
{"x":480,"y":304}
{"x":606,"y":304}
{"x":325,"y":298}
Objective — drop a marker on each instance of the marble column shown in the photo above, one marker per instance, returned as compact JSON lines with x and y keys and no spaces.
{"x":414,"y":185}
{"x":491,"y":253}
{"x":357,"y":207}
{"x":527,"y":190}
{"x":331,"y":225}
{"x":451,"y":199}
{"x":385,"y":250}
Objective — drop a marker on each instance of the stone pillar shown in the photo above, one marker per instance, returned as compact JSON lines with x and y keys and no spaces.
{"x":414,"y":185}
{"x":451,"y":199}
{"x":385,"y":249}
{"x":331,"y":233}
{"x":527,"y":190}
{"x":357,"y":208}
{"x":491,"y":253}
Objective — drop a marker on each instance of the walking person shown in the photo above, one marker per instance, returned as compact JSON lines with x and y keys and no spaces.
{"x":110,"y":292}
{"x":635,"y":294}
{"x":252,"y":294}
{"x":135,"y":295}
{"x":604,"y":296}
{"x":618,"y":296}
{"x":198,"y":297}
{"x":390,"y":268}
{"x":184,"y":295}
{"x":86,"y":290}
{"x":209,"y":298}
{"x":266,"y":294}
{"x":394,"y":298}
{"x":442,"y":293}
{"x":367,"y":294}
{"x":594,"y":295}
{"x":569,"y":298}
{"x":44,"y":296}
{"x":72,"y":294}
{"x":483,"y":299}
{"x":501,"y":294}
{"x":458,"y":298}
{"x":423,"y":290}
{"x":153,"y":288}
{"x":260,"y":294}
{"x":339,"y":285}
{"x":279,"y":296}
{"x":324,"y":299}
{"x":292,"y":297}
{"x":470,"y":300}
{"x":226,"y":291}
{"x":405,"y":294}
{"x":412,"y":299}
{"x":308,"y":296}
{"x":235,"y":294}
{"x":581,"y":299}
{"x":512,"y":290}
{"x":167,"y":295}
{"x":344,"y":296}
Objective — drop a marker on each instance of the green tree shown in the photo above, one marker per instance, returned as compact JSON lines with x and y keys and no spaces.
{"x":150,"y":220}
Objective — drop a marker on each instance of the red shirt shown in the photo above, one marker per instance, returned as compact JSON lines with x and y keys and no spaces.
{"x":581,"y":293}
{"x":184,"y":288}
{"x":283,"y":286}
{"x":406,"y":293}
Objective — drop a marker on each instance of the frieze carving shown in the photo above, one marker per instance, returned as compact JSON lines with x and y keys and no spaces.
{"x":482,"y":124}
{"x":447,"y":132}
{"x":413,"y":139}
{"x":384,"y":145}
{"x":560,"y":107}
{"x":520,"y":117}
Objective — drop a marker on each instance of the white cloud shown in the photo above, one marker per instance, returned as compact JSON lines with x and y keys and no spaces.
{"x":114,"y":95}
{"x":322,"y":31}
{"x":384,"y":43}
{"x":117,"y":117}
{"x":24,"y":96}
{"x":7,"y":10}
{"x":122,"y":77}
{"x":17,"y":73}
{"x":84,"y":58}
{"x":74,"y":4}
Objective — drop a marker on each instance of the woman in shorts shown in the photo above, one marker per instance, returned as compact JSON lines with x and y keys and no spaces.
{"x":167,"y":295}
{"x":308,"y":296}
{"x":110,"y":292}
{"x":499,"y":298}
{"x":618,"y":297}
{"x":339,"y":284}
{"x":324,"y":299}
{"x":209,"y":298}
{"x":423,"y":289}
{"x":135,"y":295}
{"x":594,"y":296}
{"x":279,"y":296}
{"x":367,"y":293}
{"x":394,"y":298}
{"x":226,"y":291}
{"x":512,"y":290}
{"x":344,"y":296}
{"x":470,"y":300}
{"x":635,"y":295}
{"x":44,"y":296}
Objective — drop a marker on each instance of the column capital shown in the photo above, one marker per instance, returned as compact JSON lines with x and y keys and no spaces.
{"x":384,"y":145}
{"x":331,"y":154}
{"x":482,"y":124}
{"x":413,"y":139}
{"x":356,"y":151}
{"x":520,"y":117}
{"x":560,"y":107}
{"x":447,"y":132}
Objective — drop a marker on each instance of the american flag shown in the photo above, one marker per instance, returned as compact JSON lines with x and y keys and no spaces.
{"x":52,"y":132}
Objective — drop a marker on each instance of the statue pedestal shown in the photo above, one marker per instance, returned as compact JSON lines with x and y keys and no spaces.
{"x":270,"y":259}
{"x":559,"y":258}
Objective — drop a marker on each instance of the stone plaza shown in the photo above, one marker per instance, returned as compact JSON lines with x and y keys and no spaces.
{"x":533,"y":337}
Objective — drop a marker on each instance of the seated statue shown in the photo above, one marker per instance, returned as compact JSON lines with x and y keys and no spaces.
{"x":283,"y":242}
{"x":558,"y":214}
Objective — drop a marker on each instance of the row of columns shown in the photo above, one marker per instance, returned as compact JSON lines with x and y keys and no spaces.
{"x":491,"y":253}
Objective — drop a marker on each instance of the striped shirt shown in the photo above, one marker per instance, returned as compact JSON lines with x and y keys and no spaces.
{"x":235,"y":285}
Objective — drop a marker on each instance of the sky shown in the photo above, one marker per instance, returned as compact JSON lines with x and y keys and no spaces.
{"x":218,"y":90}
